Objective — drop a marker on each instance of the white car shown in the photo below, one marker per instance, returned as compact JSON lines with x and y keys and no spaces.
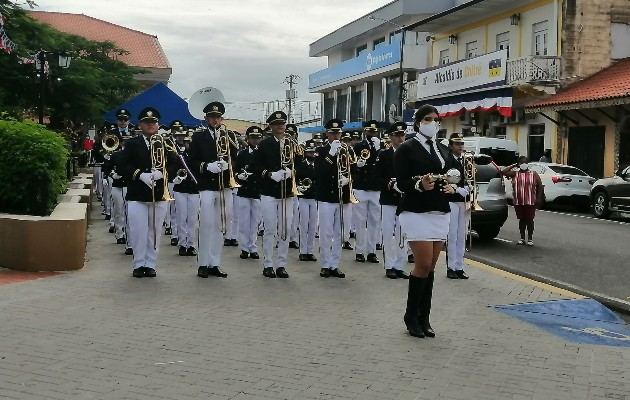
{"x":563,"y":184}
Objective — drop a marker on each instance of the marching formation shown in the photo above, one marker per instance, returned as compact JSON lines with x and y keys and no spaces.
{"x":399,"y":192}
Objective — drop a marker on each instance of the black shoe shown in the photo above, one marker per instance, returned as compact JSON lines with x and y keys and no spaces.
{"x":111,"y":229}
{"x":410,"y":259}
{"x":401,"y":274}
{"x":226,"y":242}
{"x":324,"y":273}
{"x":260,"y":233}
{"x":254,"y":256}
{"x":202,"y":271}
{"x":414,"y":296}
{"x":174,"y":241}
{"x":233,"y":243}
{"x":216,"y":271}
{"x":191,"y":252}
{"x":304,"y":257}
{"x":461,"y":274}
{"x":293,"y":245}
{"x":129,"y":252}
{"x":379,"y":247}
{"x":269,"y":273}
{"x":372,"y":258}
{"x":138,"y":272}
{"x":352,"y":235}
{"x":311,"y":257}
{"x":347,"y":246}
{"x":391,"y":274}
{"x":244,"y":255}
{"x":121,"y":241}
{"x":450,"y":274}
{"x":359,"y":258}
{"x":99,"y":198}
{"x":424,"y":307}
{"x":337,"y":273}
{"x":149,"y":272}
{"x":182,"y":251}
{"x":168,"y":231}
{"x":108,"y":217}
{"x":281,"y":272}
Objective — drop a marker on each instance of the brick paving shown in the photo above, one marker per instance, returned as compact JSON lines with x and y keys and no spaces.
{"x":98,"y":333}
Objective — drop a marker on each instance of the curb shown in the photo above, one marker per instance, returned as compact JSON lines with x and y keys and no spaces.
{"x":613,"y":303}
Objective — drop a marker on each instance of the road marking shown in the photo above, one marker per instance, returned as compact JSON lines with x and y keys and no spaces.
{"x":601,"y":332}
{"x":503,"y":240}
{"x":528,"y":281}
{"x":586,"y":217}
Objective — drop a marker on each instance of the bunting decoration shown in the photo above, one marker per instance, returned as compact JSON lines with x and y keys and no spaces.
{"x":6,"y":44}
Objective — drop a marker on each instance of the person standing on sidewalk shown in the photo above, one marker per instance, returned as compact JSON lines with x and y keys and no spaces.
{"x":527,"y":191}
{"x":423,"y":212}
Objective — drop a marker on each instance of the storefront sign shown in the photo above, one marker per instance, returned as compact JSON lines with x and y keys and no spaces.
{"x":484,"y":71}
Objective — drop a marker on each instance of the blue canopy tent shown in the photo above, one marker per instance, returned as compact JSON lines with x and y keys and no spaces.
{"x":168,"y":103}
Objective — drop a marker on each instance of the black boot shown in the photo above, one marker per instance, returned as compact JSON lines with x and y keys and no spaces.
{"x":416,"y":287}
{"x":425,"y":306}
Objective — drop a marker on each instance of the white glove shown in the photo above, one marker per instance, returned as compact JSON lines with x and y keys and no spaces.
{"x":105,"y":182}
{"x":361,"y":163}
{"x":462,"y":191}
{"x":334,"y":147}
{"x":287,"y":173}
{"x":214,"y":167}
{"x":277,"y":175}
{"x":116,"y":176}
{"x":177,"y":180}
{"x":395,"y":187}
{"x":146,"y":178}
{"x":343,"y":181}
{"x":223,"y":165}
{"x":107,"y":156}
{"x":242,"y":176}
{"x":156,"y":175}
{"x":376,"y":142}
{"x":301,"y":189}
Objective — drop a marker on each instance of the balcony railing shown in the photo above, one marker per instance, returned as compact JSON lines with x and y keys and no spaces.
{"x":534,"y":70}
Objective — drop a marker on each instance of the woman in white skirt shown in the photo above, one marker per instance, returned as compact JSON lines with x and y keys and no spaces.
{"x":423,"y":212}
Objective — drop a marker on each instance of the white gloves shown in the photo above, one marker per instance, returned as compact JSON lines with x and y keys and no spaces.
{"x":462,"y":191}
{"x":177,"y":180}
{"x":156,"y":175}
{"x":361,"y":163}
{"x":288,"y":173}
{"x":277,"y":175}
{"x":395,"y":186}
{"x":301,"y":188}
{"x":107,"y":156}
{"x":223,"y":165}
{"x":146,"y":177}
{"x":242,"y":176}
{"x":376,"y":142}
{"x":116,"y":176}
{"x":343,"y":181}
{"x":105,"y":182}
{"x":334,"y":147}
{"x":217,"y":166}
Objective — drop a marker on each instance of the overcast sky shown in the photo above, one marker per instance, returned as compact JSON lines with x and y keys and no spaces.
{"x":244,"y":48}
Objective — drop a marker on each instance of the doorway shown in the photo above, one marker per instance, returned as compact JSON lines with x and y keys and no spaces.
{"x":624,"y":144}
{"x":586,"y":149}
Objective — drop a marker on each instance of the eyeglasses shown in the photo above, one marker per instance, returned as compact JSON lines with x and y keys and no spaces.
{"x":123,"y":119}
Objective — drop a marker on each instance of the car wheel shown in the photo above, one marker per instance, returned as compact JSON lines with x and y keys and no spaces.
{"x":600,"y":205}
{"x":488,"y":233}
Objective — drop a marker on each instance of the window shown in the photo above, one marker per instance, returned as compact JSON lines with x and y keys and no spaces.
{"x":536,"y":142}
{"x":503,"y":42}
{"x":444,"y":57}
{"x":540,"y":33}
{"x":471,"y":49}
{"x":379,"y":42}
{"x":394,"y":37}
{"x":361,"y":49}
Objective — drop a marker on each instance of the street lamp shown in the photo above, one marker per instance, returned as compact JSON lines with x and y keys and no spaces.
{"x":64,"y":62}
{"x":401,"y":96}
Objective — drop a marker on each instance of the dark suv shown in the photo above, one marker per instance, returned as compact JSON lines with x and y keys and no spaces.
{"x":492,"y":212}
{"x":612,"y":194}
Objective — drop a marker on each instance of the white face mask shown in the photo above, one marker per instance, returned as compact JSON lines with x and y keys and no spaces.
{"x":524,"y":166}
{"x":429,"y":130}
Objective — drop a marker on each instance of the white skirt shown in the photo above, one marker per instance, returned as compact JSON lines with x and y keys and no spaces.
{"x":424,"y":227}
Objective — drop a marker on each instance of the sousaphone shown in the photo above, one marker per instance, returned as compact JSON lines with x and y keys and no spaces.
{"x":201,"y":98}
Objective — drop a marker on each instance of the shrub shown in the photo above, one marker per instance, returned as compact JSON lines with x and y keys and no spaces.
{"x":32,"y":168}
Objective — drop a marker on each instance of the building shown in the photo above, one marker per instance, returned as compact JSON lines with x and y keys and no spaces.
{"x":144,"y":50}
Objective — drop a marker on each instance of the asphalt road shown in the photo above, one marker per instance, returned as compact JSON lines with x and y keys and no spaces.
{"x":569,"y":246}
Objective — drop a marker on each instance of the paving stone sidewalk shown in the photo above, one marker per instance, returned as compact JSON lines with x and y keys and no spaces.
{"x":98,"y":333}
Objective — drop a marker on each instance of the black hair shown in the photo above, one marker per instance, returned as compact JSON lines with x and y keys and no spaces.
{"x":422,"y":112}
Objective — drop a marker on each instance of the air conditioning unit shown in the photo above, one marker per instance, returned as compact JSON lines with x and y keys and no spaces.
{"x":466,"y":118}
{"x":516,"y":117}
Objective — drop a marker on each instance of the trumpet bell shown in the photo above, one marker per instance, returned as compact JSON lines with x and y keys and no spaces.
{"x":110,"y":142}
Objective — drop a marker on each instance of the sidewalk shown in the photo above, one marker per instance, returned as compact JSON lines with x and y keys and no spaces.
{"x":100,"y":334}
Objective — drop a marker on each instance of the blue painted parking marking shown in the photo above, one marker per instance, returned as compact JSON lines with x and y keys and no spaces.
{"x":580,"y":321}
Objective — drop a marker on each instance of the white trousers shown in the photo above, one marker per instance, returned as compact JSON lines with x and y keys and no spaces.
{"x":186,"y":218}
{"x":232,"y":227}
{"x":456,"y":243}
{"x":367,"y":221}
{"x":119,"y":214}
{"x":308,"y":225}
{"x":248,"y":221}
{"x":142,"y":226}
{"x":98,"y":179}
{"x":330,"y":238}
{"x":170,"y":219}
{"x":107,"y":196}
{"x":271,"y":211}
{"x":394,"y":255}
{"x":210,"y":235}
{"x":293,"y":231}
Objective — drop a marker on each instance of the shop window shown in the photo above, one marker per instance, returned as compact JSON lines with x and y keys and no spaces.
{"x":444,"y":57}
{"x":536,"y":142}
{"x":379,"y":42}
{"x":471,"y":49}
{"x":540,"y":32}
{"x":361,"y":49}
{"x":499,"y":132}
{"x":394,"y":37}
{"x":503,"y":42}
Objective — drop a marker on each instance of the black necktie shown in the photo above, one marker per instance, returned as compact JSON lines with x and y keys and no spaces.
{"x":432,"y":149}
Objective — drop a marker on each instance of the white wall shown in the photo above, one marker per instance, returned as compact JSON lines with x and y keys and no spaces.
{"x":620,"y":34}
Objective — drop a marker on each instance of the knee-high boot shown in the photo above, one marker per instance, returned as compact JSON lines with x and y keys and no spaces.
{"x":425,"y":306}
{"x":414,"y":297}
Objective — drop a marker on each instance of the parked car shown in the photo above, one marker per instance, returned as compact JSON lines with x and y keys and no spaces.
{"x":611,"y":194}
{"x":492,"y":211}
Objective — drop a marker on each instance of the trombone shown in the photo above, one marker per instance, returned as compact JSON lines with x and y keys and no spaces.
{"x":158,"y":147}
{"x":287,"y":160}
{"x":470,"y":174}
{"x":223,"y":143}
{"x":344,"y":161}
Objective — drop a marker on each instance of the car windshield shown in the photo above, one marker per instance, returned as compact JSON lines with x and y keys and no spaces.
{"x":501,"y":157}
{"x":566,"y":170}
{"x":486,"y":172}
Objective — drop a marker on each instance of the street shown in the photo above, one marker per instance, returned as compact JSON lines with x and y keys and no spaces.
{"x":569,"y":246}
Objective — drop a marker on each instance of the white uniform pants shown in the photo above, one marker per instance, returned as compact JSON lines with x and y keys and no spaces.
{"x":186,"y":217}
{"x":170,"y":219}
{"x":456,"y":243}
{"x":293,"y":231}
{"x":308,"y":225}
{"x":271,"y":211}
{"x":330,"y":240}
{"x":248,"y":221}
{"x":394,"y":255}
{"x":141,"y":231}
{"x":367,"y":221}
{"x":210,"y":235}
{"x":98,"y":179}
{"x":119,"y":214}
{"x":107,"y":196}
{"x":232,"y":228}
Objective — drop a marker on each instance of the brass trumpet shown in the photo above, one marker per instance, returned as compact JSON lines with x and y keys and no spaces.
{"x":452,"y":176}
{"x":110,"y":142}
{"x":365,"y":154}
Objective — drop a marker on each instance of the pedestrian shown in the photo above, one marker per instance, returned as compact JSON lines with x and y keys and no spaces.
{"x":546,"y":156}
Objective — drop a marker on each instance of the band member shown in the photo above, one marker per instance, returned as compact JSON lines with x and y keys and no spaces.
{"x":145,"y":194}
{"x":248,"y":196}
{"x":230,"y":238}
{"x":122,"y":127}
{"x":210,"y":153}
{"x":186,"y":197}
{"x":456,"y":243}
{"x":98,"y":156}
{"x":119,"y":191}
{"x":423,"y":212}
{"x":273,"y":164}
{"x":334,"y":212}
{"x":346,"y":138}
{"x":292,"y":132}
{"x":170,"y":224}
{"x":367,"y":212}
{"x":306,"y":184}
{"x":394,"y":248}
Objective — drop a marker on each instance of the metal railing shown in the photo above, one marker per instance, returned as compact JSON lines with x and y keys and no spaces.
{"x":534,"y":70}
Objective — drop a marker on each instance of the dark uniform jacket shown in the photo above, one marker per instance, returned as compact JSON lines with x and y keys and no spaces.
{"x":307,"y":170}
{"x":187,"y":185}
{"x":249,"y":187}
{"x":363,"y":178}
{"x":115,"y":162}
{"x":267,"y":160}
{"x":202,"y":151}
{"x":412,"y":159}
{"x":384,"y":172}
{"x":326,"y":175}
{"x":98,"y":153}
{"x":136,"y":159}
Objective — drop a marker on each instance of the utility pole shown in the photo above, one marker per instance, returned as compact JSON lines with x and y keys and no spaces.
{"x":291,"y":93}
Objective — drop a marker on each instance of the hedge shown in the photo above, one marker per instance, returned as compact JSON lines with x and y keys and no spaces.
{"x":32,"y":168}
